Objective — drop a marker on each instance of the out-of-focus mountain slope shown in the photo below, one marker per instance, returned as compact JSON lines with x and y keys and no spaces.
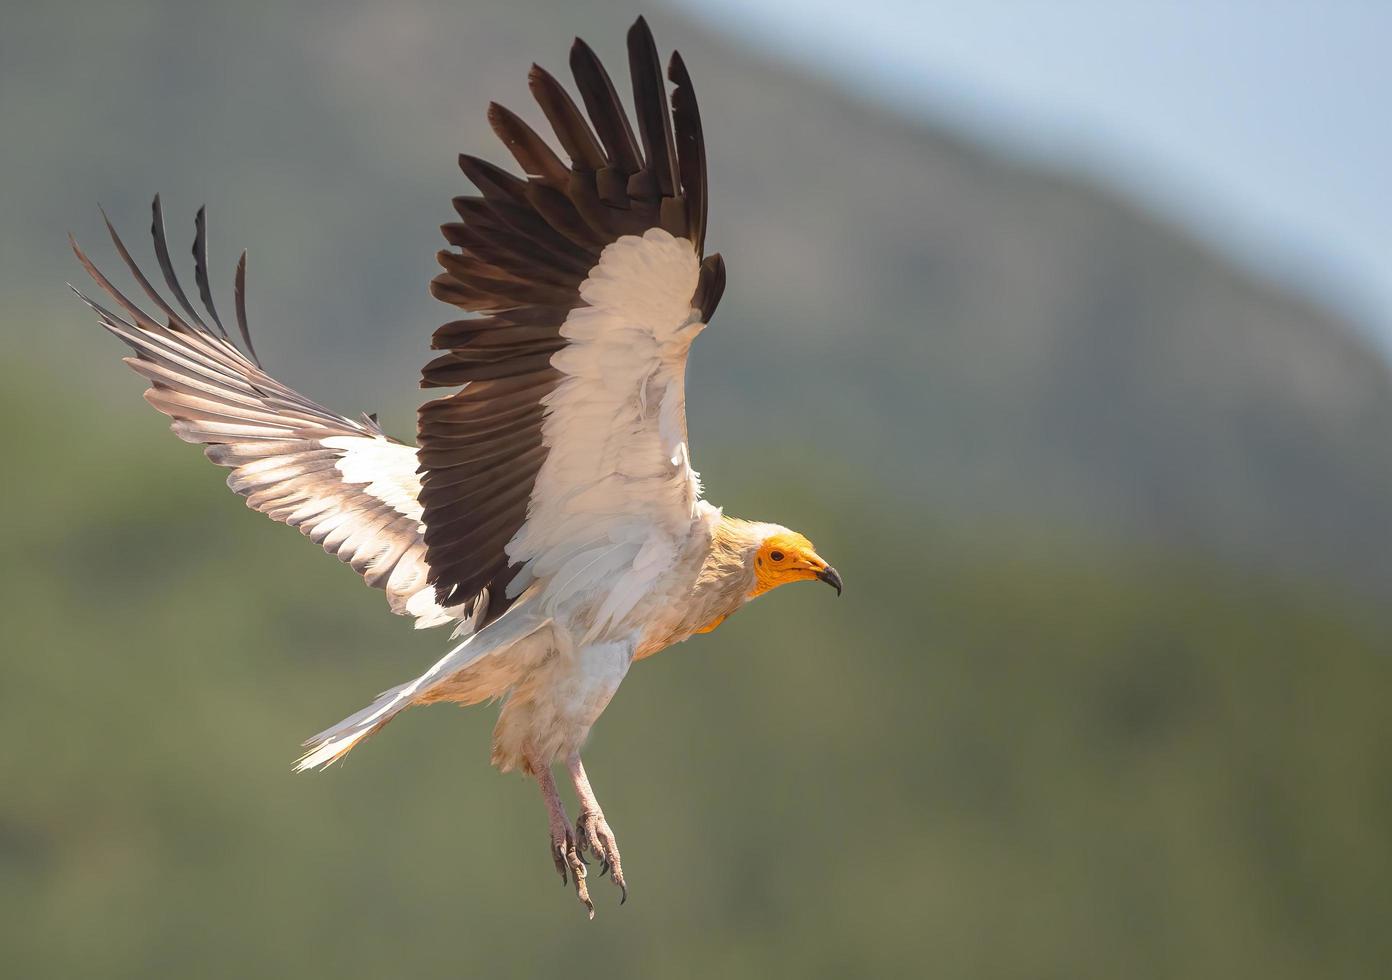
{"x":989,"y":340}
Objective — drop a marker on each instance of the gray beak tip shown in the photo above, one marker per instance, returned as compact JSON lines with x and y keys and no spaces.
{"x":831,"y":577}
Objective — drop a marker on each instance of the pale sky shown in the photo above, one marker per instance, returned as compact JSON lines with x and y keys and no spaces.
{"x":1262,"y":127}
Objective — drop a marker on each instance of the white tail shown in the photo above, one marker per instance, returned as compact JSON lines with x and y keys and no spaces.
{"x":333,"y":743}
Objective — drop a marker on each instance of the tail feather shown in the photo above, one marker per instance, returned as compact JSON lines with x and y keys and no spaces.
{"x":334,"y":742}
{"x":502,"y":637}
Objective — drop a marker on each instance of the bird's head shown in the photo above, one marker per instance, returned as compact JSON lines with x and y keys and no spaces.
{"x":785,"y":556}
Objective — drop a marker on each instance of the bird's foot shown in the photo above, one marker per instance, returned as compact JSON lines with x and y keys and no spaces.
{"x":570,"y":863}
{"x":597,"y":837}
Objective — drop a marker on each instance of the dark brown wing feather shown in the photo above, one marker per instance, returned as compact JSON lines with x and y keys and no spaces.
{"x":525,"y":246}
{"x":272,"y":437}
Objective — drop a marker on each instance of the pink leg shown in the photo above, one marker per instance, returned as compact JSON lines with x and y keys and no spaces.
{"x":564,"y":849}
{"x":592,"y":829}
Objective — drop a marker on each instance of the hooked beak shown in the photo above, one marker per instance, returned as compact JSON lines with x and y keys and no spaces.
{"x":831,"y":577}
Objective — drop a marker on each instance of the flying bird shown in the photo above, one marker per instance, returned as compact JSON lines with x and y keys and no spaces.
{"x":550,"y":513}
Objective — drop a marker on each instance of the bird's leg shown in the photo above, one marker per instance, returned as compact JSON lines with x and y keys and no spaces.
{"x":592,"y":829}
{"x":566,"y":850}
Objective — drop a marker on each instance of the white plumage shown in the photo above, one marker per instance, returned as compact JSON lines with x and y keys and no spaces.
{"x":616,"y":486}
{"x":615,"y":522}
{"x":385,"y":470}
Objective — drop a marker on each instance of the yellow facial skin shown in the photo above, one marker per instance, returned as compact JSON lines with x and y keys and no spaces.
{"x":790,"y":557}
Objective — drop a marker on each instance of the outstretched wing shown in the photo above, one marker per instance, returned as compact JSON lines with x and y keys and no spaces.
{"x":563,"y":459}
{"x":343,"y":483}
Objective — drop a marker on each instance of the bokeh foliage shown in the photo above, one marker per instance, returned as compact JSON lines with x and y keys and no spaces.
{"x":997,"y":756}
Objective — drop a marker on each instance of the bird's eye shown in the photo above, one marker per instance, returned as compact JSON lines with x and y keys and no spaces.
{"x":776,"y":555}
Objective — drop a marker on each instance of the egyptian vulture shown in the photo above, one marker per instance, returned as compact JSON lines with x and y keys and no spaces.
{"x":550,"y":513}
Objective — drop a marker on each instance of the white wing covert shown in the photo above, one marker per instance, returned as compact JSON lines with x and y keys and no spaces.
{"x":616,"y":496}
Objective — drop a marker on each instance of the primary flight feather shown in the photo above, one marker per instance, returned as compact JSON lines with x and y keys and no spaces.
{"x":550,"y":512}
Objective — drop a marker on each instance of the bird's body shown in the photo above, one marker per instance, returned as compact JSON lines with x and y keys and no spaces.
{"x":550,"y":514}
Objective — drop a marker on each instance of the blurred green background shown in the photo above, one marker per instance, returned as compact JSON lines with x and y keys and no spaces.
{"x":1106,"y":695}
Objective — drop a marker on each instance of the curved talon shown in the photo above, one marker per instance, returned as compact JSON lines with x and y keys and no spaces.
{"x":558,"y":856}
{"x":571,"y":867}
{"x":567,"y":841}
{"x":589,"y":838}
{"x":596,"y":836}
